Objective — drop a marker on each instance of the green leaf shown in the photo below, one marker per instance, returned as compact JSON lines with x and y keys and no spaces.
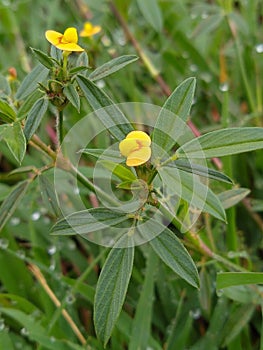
{"x":189,"y":188}
{"x":232,"y":197}
{"x":152,"y":13}
{"x":7,"y":114}
{"x":15,"y":140}
{"x":4,"y":191}
{"x":89,"y":220}
{"x":111,"y":289}
{"x":238,"y":319}
{"x":200,"y":170}
{"x":83,"y":60}
{"x":30,"y":82}
{"x":5,"y":89}
{"x":43,"y":58}
{"x":37,"y":332}
{"x":141,"y":326}
{"x":170,"y":250}
{"x":171,"y":120}
{"x":229,"y":279}
{"x":120,"y":171}
{"x":222,"y":143}
{"x":72,"y":95}
{"x":11,"y":202}
{"x":112,"y":66}
{"x":108,"y":154}
{"x":108,"y":113}
{"x":78,"y":69}
{"x":49,"y":195}
{"x":55,"y":53}
{"x":34,"y":117}
{"x":28,"y":104}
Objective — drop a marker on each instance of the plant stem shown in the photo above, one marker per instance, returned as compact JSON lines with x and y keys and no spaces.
{"x":231,"y":230}
{"x":60,"y":128}
{"x":242,"y":66}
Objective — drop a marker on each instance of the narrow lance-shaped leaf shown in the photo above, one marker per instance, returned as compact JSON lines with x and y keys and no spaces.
{"x":189,"y":188}
{"x":111,"y":289}
{"x":108,"y":113}
{"x":222,"y":143}
{"x":35,"y":116}
{"x":200,"y":170}
{"x":43,"y":58}
{"x":152,"y":13}
{"x":232,"y":197}
{"x":112,"y":66}
{"x":142,"y":321}
{"x":120,"y":171}
{"x":72,"y":95}
{"x":229,"y":279}
{"x":170,"y":250}
{"x":30,"y":83}
{"x":49,"y":195}
{"x":11,"y":202}
{"x":28,"y":103}
{"x":170,"y":124}
{"x":7,"y":113}
{"x":15,"y":140}
{"x":89,"y":220}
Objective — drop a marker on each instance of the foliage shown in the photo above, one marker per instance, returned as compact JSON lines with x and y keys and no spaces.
{"x":165,"y":253}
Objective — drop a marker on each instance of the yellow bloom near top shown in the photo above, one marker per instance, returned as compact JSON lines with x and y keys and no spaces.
{"x":66,"y":42}
{"x":136,"y":147}
{"x":89,"y":30}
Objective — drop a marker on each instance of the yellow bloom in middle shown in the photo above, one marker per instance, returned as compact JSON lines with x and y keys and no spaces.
{"x":66,"y":42}
{"x":89,"y":30}
{"x":136,"y":147}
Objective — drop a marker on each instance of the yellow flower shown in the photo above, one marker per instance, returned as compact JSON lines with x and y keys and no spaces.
{"x":89,"y":30}
{"x":66,"y":42}
{"x":136,"y":147}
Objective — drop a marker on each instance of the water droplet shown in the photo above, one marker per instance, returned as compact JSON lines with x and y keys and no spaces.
{"x":46,"y":220}
{"x":14,"y":221}
{"x":21,"y":254}
{"x":76,"y":190}
{"x":193,"y":68}
{"x":259,"y":48}
{"x":70,"y":299}
{"x":204,"y":15}
{"x":52,"y":265}
{"x":2,"y":324}
{"x":24,"y":331}
{"x":219,"y":292}
{"x":35,"y":216}
{"x":196,"y":314}
{"x":52,"y":339}
{"x":224,"y":87}
{"x":52,"y":250}
{"x":101,"y":84}
{"x":71,"y":245}
{"x":4,"y":243}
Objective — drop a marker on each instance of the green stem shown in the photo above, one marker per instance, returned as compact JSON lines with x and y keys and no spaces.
{"x":242,"y":67}
{"x":231,"y":230}
{"x":60,"y":128}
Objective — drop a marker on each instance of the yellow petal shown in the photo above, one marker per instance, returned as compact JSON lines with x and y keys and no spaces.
{"x":70,"y":47}
{"x":70,"y":36}
{"x":53,"y":37}
{"x":127,"y":146}
{"x":139,"y":157}
{"x":89,"y":30}
{"x":140,"y":135}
